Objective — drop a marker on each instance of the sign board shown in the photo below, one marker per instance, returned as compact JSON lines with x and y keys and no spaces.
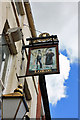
{"x":43,"y":60}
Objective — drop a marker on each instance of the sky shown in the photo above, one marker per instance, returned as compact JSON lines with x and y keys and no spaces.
{"x":61,"y":19}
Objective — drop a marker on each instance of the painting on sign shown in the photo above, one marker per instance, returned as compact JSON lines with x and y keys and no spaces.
{"x":43,"y":60}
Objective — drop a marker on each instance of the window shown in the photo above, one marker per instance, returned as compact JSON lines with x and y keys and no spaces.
{"x":19,"y":7}
{"x":4,"y":54}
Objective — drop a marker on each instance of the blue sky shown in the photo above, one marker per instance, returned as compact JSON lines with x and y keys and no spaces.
{"x":68,"y":107}
{"x":61,"y":18}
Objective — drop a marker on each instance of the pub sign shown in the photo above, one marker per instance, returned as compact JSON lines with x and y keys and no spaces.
{"x":43,"y":59}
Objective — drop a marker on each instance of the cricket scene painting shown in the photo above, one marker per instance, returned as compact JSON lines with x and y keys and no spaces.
{"x":43,"y":60}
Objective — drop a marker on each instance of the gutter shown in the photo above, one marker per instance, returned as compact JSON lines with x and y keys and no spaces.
{"x":30,"y":18}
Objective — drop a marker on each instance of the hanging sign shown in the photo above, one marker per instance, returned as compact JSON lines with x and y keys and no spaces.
{"x":43,"y":59}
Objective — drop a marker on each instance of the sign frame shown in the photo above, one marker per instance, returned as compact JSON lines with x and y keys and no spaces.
{"x":45,"y":71}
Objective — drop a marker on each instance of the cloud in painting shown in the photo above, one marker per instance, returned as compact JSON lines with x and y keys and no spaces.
{"x":55,"y":83}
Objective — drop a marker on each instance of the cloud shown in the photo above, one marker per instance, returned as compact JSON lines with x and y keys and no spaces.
{"x":55,"y":83}
{"x":62,"y":20}
{"x":69,"y":41}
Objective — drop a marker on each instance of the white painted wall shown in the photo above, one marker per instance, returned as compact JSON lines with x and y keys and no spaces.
{"x":15,"y":61}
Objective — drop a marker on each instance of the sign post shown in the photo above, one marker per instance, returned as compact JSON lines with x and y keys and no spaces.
{"x":44,"y":94}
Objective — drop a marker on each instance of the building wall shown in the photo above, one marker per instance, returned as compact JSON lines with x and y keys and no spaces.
{"x":15,"y":63}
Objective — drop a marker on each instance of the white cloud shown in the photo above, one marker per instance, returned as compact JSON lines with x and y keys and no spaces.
{"x":61,"y":20}
{"x":70,"y":39}
{"x":55,"y":83}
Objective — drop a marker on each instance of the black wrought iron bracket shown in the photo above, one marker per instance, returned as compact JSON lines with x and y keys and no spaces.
{"x":37,"y":38}
{"x":51,"y":40}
